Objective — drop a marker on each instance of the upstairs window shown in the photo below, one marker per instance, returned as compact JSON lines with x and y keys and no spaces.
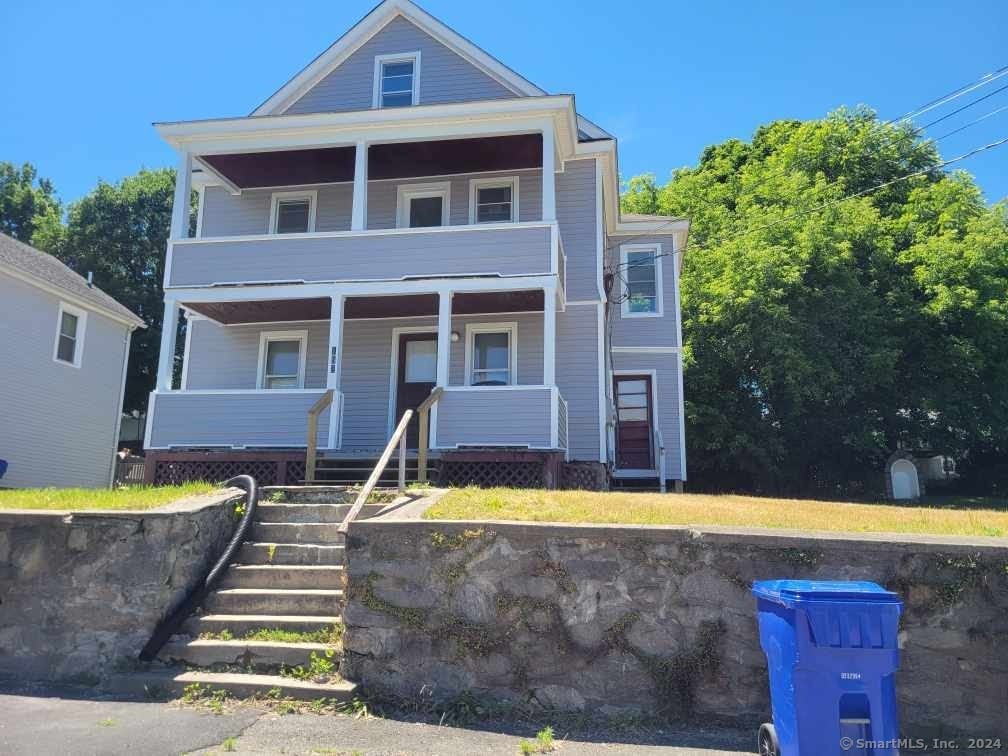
{"x":69,"y":344}
{"x":282,"y":359}
{"x":490,"y":354}
{"x":396,"y":80}
{"x":292,"y":212}
{"x":423,"y":205}
{"x":642,"y":281}
{"x":493,"y":200}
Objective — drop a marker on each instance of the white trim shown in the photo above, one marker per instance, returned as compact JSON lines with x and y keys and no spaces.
{"x":371,"y":25}
{"x":659,"y":311}
{"x":584,"y":302}
{"x":166,"y":352}
{"x":358,"y":211}
{"x":653,"y":374}
{"x":113,"y":463}
{"x":509,"y":327}
{"x":228,"y":392}
{"x":149,"y":422}
{"x":491,"y":182}
{"x":645,"y":350}
{"x":603,"y":393}
{"x":277,"y":197}
{"x":599,"y":230}
{"x":408,"y":192}
{"x":394,"y":371}
{"x":301,"y":336}
{"x":379,"y":63}
{"x":186,"y":349}
{"x":79,"y":334}
{"x":682,"y":396}
{"x":199,"y":210}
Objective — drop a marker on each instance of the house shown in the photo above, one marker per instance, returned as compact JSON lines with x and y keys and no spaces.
{"x":64,"y":347}
{"x":408,"y":212}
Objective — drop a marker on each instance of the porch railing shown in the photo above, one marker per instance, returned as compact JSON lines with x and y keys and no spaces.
{"x":423,"y":445}
{"x":311,"y":456}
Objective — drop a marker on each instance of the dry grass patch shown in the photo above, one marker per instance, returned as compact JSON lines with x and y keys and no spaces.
{"x":134,"y":497}
{"x":989,"y":518}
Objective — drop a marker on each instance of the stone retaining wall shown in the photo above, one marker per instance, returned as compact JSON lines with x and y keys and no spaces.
{"x":81,"y":592}
{"x":657,"y":620}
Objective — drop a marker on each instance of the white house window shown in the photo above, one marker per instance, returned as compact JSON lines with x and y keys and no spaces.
{"x":493,"y":200}
{"x":642,"y":280}
{"x":423,"y":205}
{"x":396,"y":83}
{"x":491,"y":354}
{"x":69,"y":346}
{"x":293,"y":212}
{"x":282,"y":359}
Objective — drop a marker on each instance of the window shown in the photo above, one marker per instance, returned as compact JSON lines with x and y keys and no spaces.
{"x":293,"y":212}
{"x":69,"y":346}
{"x":421,"y":361}
{"x":491,"y":354}
{"x":396,"y":82}
{"x":282,"y":359}
{"x":423,"y":205}
{"x":642,"y":281}
{"x":493,"y":200}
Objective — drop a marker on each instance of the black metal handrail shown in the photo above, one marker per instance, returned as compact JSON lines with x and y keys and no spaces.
{"x":170,"y":625}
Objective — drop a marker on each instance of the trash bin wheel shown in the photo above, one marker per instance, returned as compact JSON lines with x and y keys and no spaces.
{"x":767,"y":744}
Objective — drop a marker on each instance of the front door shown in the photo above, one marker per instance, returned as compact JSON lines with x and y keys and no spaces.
{"x":633,"y":422}
{"x":416,"y":378}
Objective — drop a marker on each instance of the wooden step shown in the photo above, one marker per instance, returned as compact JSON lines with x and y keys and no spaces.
{"x":240,"y":625}
{"x":290,"y":553}
{"x":258,"y":655}
{"x":305,"y":601}
{"x":317,"y":533}
{"x":283,"y":576}
{"x":237,"y":684}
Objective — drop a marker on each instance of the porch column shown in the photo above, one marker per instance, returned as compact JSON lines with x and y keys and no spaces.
{"x":166,"y":359}
{"x":183,"y":190}
{"x":549,"y":336}
{"x":335,"y":343}
{"x":548,"y":176}
{"x":443,"y":336}
{"x":358,"y":219}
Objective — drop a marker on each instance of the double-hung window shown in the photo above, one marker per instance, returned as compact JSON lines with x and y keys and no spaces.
{"x":640,"y":270}
{"x":282,"y":359}
{"x":69,"y":346}
{"x":491,"y":354}
{"x":423,"y":205}
{"x":293,"y":212}
{"x":493,"y":200}
{"x":396,"y":80}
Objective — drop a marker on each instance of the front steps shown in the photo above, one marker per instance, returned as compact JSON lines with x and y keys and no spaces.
{"x":237,"y":684}
{"x":240,"y":625}
{"x":353,"y":471}
{"x":284,"y":576}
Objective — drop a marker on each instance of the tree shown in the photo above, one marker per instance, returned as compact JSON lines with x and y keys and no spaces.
{"x":820,"y":334}
{"x":26,"y":202}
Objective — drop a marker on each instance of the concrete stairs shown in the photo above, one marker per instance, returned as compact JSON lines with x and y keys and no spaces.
{"x":286,"y":581}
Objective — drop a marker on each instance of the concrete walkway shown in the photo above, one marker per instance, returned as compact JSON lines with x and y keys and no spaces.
{"x":43,"y":721}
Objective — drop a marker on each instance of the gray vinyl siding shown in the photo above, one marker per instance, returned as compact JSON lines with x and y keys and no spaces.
{"x":59,"y":423}
{"x":522,"y":250}
{"x":272,"y":419}
{"x":656,"y":331}
{"x":510,"y":417}
{"x":444,"y":75}
{"x":577,"y":375}
{"x":383,"y":196}
{"x":666,"y":367}
{"x":575,"y":204}
{"x":226,"y":214}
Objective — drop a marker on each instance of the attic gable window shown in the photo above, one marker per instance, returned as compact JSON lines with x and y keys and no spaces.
{"x":396,"y":80}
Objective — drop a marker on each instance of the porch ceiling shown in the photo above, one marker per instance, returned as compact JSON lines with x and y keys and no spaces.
{"x":410,"y":305}
{"x":249,"y":170}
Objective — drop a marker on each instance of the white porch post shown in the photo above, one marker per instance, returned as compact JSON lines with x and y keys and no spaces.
{"x":549,"y":336}
{"x":444,"y":336}
{"x":183,"y":190}
{"x":548,"y":175}
{"x":358,"y":219}
{"x":335,"y":343}
{"x":166,"y":359}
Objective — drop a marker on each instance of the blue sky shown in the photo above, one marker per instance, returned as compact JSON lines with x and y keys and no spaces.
{"x":84,"y":81}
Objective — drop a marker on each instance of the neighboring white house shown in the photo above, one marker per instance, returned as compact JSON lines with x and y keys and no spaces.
{"x":64,"y":346}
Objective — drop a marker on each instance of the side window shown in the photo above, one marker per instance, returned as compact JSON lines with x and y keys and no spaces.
{"x":640,"y":271}
{"x":396,"y":80}
{"x":423,"y":205}
{"x":292,"y":212}
{"x":490,"y":354}
{"x":69,"y":346}
{"x":282,"y":359}
{"x":493,"y":200}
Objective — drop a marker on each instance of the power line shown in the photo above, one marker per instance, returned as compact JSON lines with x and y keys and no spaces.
{"x":961,"y":109}
{"x":938,"y":102}
{"x":971,"y":123}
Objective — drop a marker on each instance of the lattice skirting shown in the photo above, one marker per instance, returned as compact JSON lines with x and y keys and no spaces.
{"x":585,"y":476}
{"x":490,"y":474}
{"x":169,"y":468}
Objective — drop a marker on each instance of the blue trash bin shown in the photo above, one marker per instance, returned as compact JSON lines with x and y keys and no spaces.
{"x":832,"y":653}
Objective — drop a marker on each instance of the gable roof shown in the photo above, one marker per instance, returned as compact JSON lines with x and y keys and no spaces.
{"x":379,"y":17}
{"x":45,"y":270}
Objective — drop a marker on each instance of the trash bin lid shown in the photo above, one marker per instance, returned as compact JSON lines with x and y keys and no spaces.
{"x":791,"y":592}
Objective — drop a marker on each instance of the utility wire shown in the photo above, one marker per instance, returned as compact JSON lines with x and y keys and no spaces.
{"x":960,"y":109}
{"x":938,"y":102}
{"x":971,"y":123}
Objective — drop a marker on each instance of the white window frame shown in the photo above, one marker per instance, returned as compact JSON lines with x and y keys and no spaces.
{"x":408,"y":192}
{"x":311,"y":195}
{"x":625,"y":250}
{"x":265,"y":337}
{"x":494,"y":182}
{"x":78,"y":337}
{"x":511,"y":328}
{"x":381,"y":60}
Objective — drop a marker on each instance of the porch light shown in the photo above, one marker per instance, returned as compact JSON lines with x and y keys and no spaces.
{"x":455,"y":336}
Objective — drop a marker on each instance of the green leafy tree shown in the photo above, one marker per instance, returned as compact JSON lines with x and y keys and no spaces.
{"x":817,"y":339}
{"x":26,"y":203}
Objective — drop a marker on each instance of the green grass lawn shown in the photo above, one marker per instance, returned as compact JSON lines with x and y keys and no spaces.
{"x":943,"y":516}
{"x":138,"y":497}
